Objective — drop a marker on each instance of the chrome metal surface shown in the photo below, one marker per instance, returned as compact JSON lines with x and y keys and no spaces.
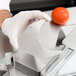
{"x":70,"y":74}
{"x":58,"y":63}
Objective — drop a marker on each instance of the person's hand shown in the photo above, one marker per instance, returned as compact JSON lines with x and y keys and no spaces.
{"x":13,"y":27}
{"x":3,"y":15}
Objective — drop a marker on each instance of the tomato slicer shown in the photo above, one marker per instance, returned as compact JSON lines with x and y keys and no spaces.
{"x":42,"y":51}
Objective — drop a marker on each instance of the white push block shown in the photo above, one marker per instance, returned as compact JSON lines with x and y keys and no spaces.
{"x":35,"y":40}
{"x":39,"y":39}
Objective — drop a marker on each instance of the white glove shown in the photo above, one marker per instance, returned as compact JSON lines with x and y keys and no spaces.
{"x":13,"y":27}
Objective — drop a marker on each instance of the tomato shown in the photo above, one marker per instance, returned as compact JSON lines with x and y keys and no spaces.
{"x":60,"y":15}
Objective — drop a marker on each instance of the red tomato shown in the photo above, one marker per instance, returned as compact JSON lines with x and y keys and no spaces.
{"x":60,"y":15}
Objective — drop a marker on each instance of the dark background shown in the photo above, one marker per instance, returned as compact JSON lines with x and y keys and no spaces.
{"x":19,"y":5}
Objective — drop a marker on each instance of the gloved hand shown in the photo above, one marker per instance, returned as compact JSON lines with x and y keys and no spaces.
{"x":13,"y":27}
